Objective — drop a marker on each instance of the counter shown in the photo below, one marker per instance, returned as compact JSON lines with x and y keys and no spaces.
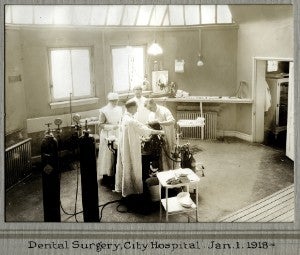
{"x":205,"y":99}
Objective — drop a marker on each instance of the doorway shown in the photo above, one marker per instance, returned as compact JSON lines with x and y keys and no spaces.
{"x":273,"y":114}
{"x":276,"y":105}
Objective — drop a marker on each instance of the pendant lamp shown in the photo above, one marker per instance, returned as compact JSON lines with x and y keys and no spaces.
{"x":200,"y":61}
{"x":155,"y":49}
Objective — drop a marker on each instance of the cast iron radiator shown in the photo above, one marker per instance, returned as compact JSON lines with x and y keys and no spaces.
{"x":17,"y":162}
{"x":210,"y":128}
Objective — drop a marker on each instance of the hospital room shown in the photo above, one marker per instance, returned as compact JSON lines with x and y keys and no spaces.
{"x":149,"y":113}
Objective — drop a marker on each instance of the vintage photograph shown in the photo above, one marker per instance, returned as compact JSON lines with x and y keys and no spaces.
{"x":149,"y":113}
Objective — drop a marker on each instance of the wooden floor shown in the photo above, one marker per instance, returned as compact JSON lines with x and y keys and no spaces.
{"x":278,"y":207}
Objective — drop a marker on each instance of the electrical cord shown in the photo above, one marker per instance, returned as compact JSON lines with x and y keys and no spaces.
{"x":101,"y":212}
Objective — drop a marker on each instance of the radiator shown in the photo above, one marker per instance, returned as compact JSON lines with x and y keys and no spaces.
{"x":210,"y":128}
{"x":17,"y":162}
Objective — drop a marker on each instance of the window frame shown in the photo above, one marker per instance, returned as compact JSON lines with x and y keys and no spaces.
{"x":92,"y":83}
{"x":144,"y":46}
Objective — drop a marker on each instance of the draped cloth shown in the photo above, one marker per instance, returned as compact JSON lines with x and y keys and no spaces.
{"x":129,"y":161}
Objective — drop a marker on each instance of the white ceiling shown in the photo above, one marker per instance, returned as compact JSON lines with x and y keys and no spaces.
{"x":117,"y":15}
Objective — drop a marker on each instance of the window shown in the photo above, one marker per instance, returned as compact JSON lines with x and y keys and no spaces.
{"x":70,"y":73}
{"x":128,"y":67}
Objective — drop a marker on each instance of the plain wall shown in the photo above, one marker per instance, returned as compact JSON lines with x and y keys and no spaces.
{"x":270,"y":38}
{"x":216,"y":77}
{"x":15,"y":101}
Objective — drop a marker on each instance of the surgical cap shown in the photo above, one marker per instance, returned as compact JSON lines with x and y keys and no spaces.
{"x":112,"y":96}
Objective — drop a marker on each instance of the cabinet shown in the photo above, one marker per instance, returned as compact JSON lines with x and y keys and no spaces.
{"x":276,"y":116}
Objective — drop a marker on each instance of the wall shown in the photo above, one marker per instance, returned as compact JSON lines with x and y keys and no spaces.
{"x":261,"y":38}
{"x":216,"y":77}
{"x":15,"y":104}
{"x":36,"y":67}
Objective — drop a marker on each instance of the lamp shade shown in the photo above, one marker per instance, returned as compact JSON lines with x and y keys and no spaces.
{"x":155,"y":49}
{"x":200,"y":62}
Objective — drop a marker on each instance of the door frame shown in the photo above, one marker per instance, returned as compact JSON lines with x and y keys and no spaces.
{"x":257,"y":109}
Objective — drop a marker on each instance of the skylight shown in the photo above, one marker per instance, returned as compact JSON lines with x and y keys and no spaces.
{"x":117,"y":15}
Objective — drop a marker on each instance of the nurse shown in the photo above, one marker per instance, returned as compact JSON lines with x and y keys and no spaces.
{"x":142,"y":112}
{"x":163,"y":116}
{"x":109,"y":120}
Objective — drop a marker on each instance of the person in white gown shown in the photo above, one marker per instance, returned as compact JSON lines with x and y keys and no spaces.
{"x":109,"y":121}
{"x":163,"y":116}
{"x":142,"y":112}
{"x":129,"y":161}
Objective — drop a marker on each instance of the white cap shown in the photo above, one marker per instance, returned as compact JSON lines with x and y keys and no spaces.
{"x":112,"y":96}
{"x":137,"y":87}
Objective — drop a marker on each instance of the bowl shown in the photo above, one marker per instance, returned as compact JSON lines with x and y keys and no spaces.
{"x":184,"y":199}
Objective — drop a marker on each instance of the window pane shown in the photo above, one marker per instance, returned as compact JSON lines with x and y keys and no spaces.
{"x":61,"y":73}
{"x":208,"y":14}
{"x":136,"y":66}
{"x":128,"y":67}
{"x":81,"y":15}
{"x":43,"y":14}
{"x":130,"y":13}
{"x":176,"y":15}
{"x":144,"y":15}
{"x":81,"y":72}
{"x":192,"y":14}
{"x":120,"y":69}
{"x":223,"y":14}
{"x":98,"y":15}
{"x":8,"y":14}
{"x":22,"y":14}
{"x":114,"y":15}
{"x":62,"y":15}
{"x":158,"y":15}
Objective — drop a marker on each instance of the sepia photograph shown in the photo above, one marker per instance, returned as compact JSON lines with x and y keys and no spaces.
{"x":149,"y":113}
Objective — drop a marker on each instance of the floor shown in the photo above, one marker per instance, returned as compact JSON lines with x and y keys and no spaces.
{"x":237,"y":174}
{"x":278,"y":207}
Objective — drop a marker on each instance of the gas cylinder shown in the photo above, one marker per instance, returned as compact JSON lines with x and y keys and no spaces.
{"x":50,"y":177}
{"x":89,"y":184}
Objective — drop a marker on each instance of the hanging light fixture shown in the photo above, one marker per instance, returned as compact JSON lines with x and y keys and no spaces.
{"x":155,"y":49}
{"x":200,"y":61}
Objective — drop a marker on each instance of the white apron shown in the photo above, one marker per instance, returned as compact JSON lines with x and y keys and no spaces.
{"x":113,"y":116}
{"x":164,"y":114}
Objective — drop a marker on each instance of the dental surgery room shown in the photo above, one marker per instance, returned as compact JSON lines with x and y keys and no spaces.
{"x":145,"y":113}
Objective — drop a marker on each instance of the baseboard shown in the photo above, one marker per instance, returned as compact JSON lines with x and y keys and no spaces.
{"x":236,"y":134}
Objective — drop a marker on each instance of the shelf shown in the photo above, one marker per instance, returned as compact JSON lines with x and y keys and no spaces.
{"x":207,"y":99}
{"x":174,"y":206}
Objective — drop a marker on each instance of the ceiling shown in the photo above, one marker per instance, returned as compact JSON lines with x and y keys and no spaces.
{"x":118,"y":15}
